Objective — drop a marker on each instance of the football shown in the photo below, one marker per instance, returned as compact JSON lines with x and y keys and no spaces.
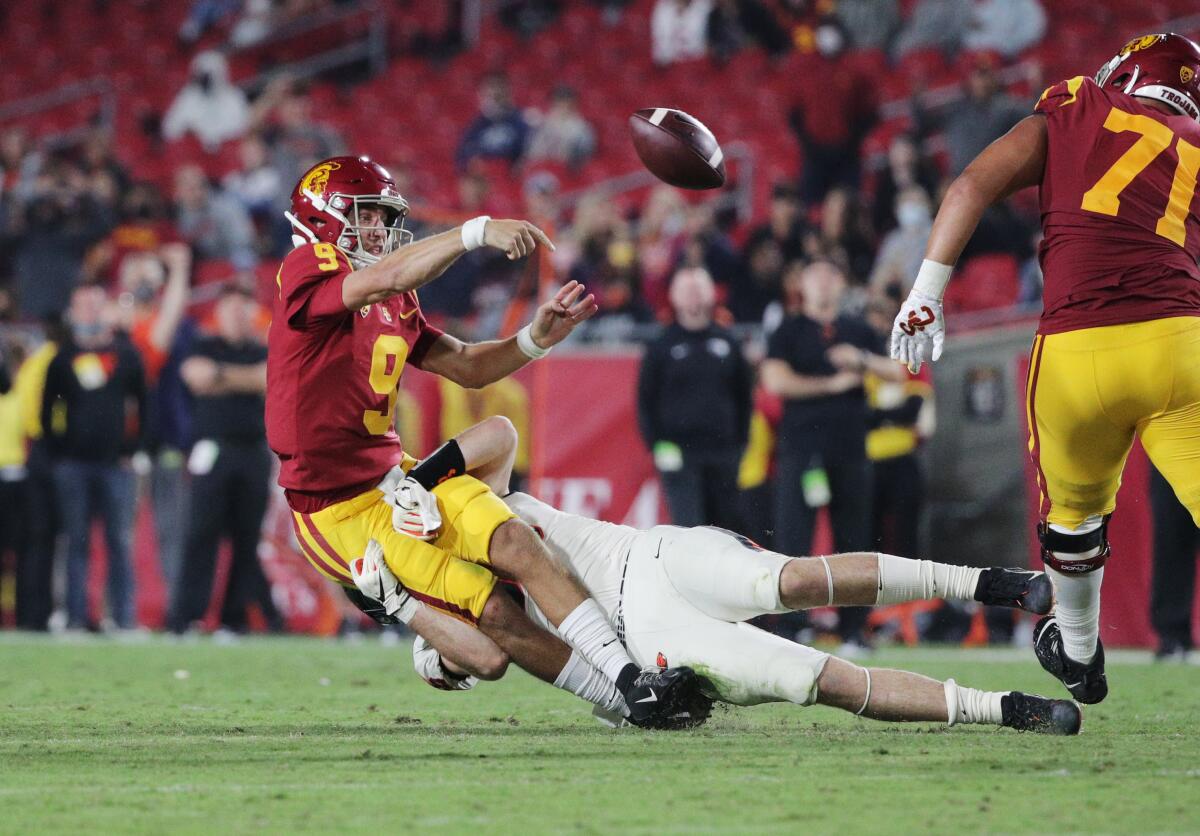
{"x":677,"y":148}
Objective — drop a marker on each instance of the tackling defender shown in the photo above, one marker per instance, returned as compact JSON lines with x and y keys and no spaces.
{"x":1117,"y":354}
{"x":346,"y":323}
{"x":682,"y":595}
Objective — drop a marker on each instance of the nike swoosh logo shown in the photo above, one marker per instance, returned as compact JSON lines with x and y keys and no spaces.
{"x":607,"y":643}
{"x":652,"y":698}
{"x":659,"y":552}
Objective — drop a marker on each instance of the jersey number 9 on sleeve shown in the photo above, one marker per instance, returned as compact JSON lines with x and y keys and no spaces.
{"x":387,"y":362}
{"x":1155,"y":137}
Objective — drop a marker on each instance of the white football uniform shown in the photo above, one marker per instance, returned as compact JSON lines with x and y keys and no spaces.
{"x":677,"y":596}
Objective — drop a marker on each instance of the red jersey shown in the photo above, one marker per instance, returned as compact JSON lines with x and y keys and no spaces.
{"x":1119,"y":209}
{"x":332,"y":376}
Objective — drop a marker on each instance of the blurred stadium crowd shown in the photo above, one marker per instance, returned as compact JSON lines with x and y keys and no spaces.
{"x":159,"y":190}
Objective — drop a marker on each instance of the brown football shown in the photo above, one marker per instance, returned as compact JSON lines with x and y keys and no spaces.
{"x":678,"y":148}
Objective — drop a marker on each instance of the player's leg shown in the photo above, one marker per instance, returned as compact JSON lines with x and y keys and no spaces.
{"x":486,"y":450}
{"x":730,"y":578}
{"x":901,"y":696}
{"x":1079,"y":438}
{"x":478,"y":526}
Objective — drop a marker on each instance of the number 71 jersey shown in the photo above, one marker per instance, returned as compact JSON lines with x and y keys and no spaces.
{"x":332,"y":377}
{"x":1119,"y":209}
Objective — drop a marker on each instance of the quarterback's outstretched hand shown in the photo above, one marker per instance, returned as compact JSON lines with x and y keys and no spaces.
{"x":375,"y":581}
{"x":557,"y":318}
{"x":517,"y":238}
{"x":918,"y":332}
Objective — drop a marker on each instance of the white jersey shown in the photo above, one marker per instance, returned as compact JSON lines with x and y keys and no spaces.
{"x":676,"y":596}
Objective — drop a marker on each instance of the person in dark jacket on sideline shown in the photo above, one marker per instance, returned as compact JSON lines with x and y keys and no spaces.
{"x":93,"y":414}
{"x":694,"y":404}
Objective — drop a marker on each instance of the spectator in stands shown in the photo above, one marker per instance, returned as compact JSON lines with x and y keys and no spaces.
{"x":209,"y":106}
{"x":870,"y":23}
{"x":1173,"y":586}
{"x":1008,"y":27}
{"x":694,"y":390}
{"x":60,"y":221}
{"x":19,"y":166}
{"x":905,"y":167}
{"x":203,"y":15}
{"x":736,"y":24}
{"x":296,"y":136}
{"x":499,"y":131}
{"x":768,"y":249}
{"x":260,"y":187}
{"x":155,"y":288}
{"x":100,"y":163}
{"x":528,"y":17}
{"x":679,"y":30}
{"x":903,"y":249}
{"x":214,"y":223}
{"x":14,"y":494}
{"x":35,"y":583}
{"x":833,"y":107}
{"x":816,"y":361}
{"x":844,"y":235}
{"x":934,"y":24}
{"x":661,"y":234}
{"x":901,"y":417}
{"x":95,"y":393}
{"x":970,"y":124}
{"x":563,"y":135}
{"x":230,"y":466}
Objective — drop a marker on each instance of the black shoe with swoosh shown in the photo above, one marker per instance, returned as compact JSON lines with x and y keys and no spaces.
{"x":1087,"y":682}
{"x":656,"y":697}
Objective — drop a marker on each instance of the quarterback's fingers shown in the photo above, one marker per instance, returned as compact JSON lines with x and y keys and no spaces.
{"x":584,"y":308}
{"x":572,"y":296}
{"x":528,"y":240}
{"x":541,"y":236}
{"x":562,"y":292}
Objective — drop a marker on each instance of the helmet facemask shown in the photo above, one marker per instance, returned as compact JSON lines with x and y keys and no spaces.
{"x":346,"y":210}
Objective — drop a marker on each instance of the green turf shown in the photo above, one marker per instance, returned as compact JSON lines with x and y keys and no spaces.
{"x":295,"y":735}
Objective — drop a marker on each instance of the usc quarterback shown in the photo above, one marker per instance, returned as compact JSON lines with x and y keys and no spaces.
{"x":1117,"y":353}
{"x":346,"y":322}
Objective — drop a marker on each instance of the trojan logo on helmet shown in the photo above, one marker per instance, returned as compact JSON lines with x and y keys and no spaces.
{"x":328,"y":202}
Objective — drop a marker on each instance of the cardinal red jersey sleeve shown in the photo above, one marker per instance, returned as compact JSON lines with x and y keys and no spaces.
{"x":310,"y":284}
{"x":1059,"y":95}
{"x":427,"y":334}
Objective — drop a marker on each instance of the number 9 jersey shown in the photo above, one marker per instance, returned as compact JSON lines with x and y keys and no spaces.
{"x":1119,"y":209}
{"x":332,"y":377}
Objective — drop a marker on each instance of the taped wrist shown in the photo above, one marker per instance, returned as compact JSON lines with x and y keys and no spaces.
{"x":472,"y":232}
{"x":932,"y":279}
{"x":528,"y":347}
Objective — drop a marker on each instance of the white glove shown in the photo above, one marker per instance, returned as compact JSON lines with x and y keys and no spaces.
{"x":428,"y":664}
{"x":919,"y":331}
{"x":414,"y":510}
{"x":375,"y":581}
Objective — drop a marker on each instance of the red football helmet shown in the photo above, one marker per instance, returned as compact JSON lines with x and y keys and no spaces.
{"x":326,"y":204}
{"x":1162,"y":67}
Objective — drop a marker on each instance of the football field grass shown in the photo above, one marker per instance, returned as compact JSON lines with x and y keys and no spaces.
{"x":295,"y":735}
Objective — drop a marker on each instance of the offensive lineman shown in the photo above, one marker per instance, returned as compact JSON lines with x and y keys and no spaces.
{"x":1117,"y":353}
{"x":682,"y":594}
{"x":346,"y":321}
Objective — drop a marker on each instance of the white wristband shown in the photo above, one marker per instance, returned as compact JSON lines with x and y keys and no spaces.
{"x":528,"y":347}
{"x":932,"y":279}
{"x":472,"y":232}
{"x":408,"y":610}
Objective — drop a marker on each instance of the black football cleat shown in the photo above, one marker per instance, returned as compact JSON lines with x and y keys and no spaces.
{"x":1016,"y":588}
{"x":1029,"y":712}
{"x":662,"y":699}
{"x":1086,"y":682}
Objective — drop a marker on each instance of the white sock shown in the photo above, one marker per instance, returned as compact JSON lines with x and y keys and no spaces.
{"x":902,"y":579}
{"x":1078,"y":611}
{"x":588,"y":631}
{"x":585,"y":682}
{"x":968,"y":705}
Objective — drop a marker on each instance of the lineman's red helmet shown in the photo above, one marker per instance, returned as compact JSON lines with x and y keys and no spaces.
{"x":1162,"y":67}
{"x":326,"y":204}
